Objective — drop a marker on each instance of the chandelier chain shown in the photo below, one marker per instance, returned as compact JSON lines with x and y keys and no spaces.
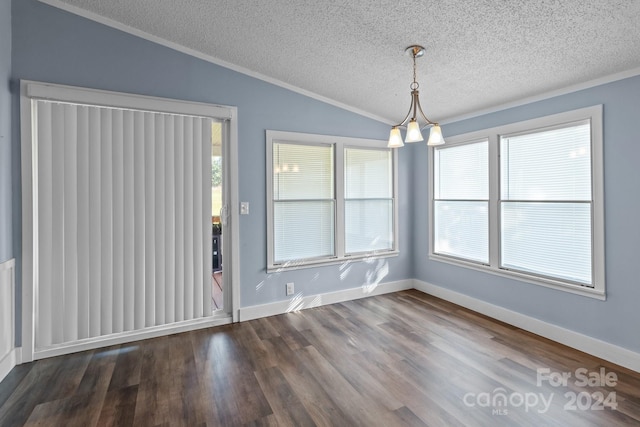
{"x":415,"y":85}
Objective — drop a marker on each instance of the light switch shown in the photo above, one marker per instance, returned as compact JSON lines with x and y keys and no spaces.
{"x":244,"y":208}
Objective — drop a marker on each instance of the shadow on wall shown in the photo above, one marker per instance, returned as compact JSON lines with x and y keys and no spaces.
{"x":377,"y":270}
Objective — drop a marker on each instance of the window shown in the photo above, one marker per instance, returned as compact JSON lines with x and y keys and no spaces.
{"x":368,"y":206}
{"x":329,"y":199}
{"x":461,"y":201}
{"x":524,"y":200}
{"x":303,"y":201}
{"x":545,"y":202}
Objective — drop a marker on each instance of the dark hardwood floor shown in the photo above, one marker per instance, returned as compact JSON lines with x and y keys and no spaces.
{"x":399,"y":359}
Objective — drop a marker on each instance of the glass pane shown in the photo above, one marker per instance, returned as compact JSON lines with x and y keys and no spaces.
{"x":367,"y":174}
{"x":303,"y":229}
{"x":368,"y":225}
{"x":551,"y":239}
{"x":461,"y":229}
{"x":302,"y":172}
{"x":549,"y":165}
{"x":462,"y":172}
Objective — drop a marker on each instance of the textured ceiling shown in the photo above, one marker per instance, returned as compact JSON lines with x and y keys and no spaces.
{"x":479,"y":54}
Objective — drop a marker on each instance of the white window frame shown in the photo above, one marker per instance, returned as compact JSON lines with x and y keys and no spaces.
{"x":339,"y":143}
{"x":594,"y":115}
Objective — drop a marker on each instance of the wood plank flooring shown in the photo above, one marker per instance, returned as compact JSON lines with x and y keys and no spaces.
{"x":392,"y":360}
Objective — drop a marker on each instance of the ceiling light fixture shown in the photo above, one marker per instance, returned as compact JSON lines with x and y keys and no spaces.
{"x":414,"y":133}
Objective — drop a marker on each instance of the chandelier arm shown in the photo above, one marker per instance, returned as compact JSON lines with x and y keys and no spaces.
{"x":426,"y":119}
{"x":406,"y":118}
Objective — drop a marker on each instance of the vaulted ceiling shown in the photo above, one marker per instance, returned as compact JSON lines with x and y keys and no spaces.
{"x":480,"y":54}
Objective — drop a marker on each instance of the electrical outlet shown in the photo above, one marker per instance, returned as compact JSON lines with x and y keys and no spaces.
{"x":290,"y":288}
{"x":244,"y":208}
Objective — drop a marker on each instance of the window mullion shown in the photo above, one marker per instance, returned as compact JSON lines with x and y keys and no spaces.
{"x":431,"y":189}
{"x":396,"y":219}
{"x":494,"y":200}
{"x":339,"y":198}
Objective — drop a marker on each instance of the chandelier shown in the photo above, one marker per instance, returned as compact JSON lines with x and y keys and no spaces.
{"x":414,"y":133}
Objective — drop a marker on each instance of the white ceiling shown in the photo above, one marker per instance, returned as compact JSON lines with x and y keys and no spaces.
{"x":480,"y":54}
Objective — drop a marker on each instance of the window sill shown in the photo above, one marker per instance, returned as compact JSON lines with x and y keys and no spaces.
{"x":298,"y":265}
{"x":523,"y":277}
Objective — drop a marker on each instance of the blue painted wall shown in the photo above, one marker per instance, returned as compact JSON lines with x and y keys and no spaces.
{"x":6,"y":204}
{"x":54,"y":46}
{"x":615,"y":320}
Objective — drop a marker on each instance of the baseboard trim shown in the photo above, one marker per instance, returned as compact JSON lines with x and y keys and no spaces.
{"x":602,"y":349}
{"x":10,"y":356}
{"x":9,"y":361}
{"x":8,"y":265}
{"x":300,"y":302}
{"x":131,"y":336}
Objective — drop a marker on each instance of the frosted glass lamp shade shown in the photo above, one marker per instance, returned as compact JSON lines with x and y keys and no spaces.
{"x":413,"y":132}
{"x":395,"y":138}
{"x":435,"y":136}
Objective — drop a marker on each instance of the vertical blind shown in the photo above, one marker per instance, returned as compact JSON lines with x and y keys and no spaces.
{"x":546,"y":202}
{"x":368,"y":192}
{"x":123,"y":226}
{"x":303,"y":201}
{"x":461,"y":206}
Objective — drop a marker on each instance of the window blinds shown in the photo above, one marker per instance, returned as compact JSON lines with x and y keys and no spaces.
{"x":123,"y":227}
{"x":546,"y":202}
{"x":368,"y":192}
{"x":303,"y":201}
{"x":461,"y":206}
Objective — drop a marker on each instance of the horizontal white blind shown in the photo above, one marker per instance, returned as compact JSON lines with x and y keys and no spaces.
{"x":546,"y":206}
{"x":368,"y":173}
{"x":368,"y":189}
{"x":548,"y":165}
{"x":303,"y":229}
{"x":123,"y":225}
{"x":462,"y":229}
{"x":303,"y":201}
{"x":302,"y":172}
{"x":461,"y":207}
{"x":462,"y":172}
{"x":551,"y":239}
